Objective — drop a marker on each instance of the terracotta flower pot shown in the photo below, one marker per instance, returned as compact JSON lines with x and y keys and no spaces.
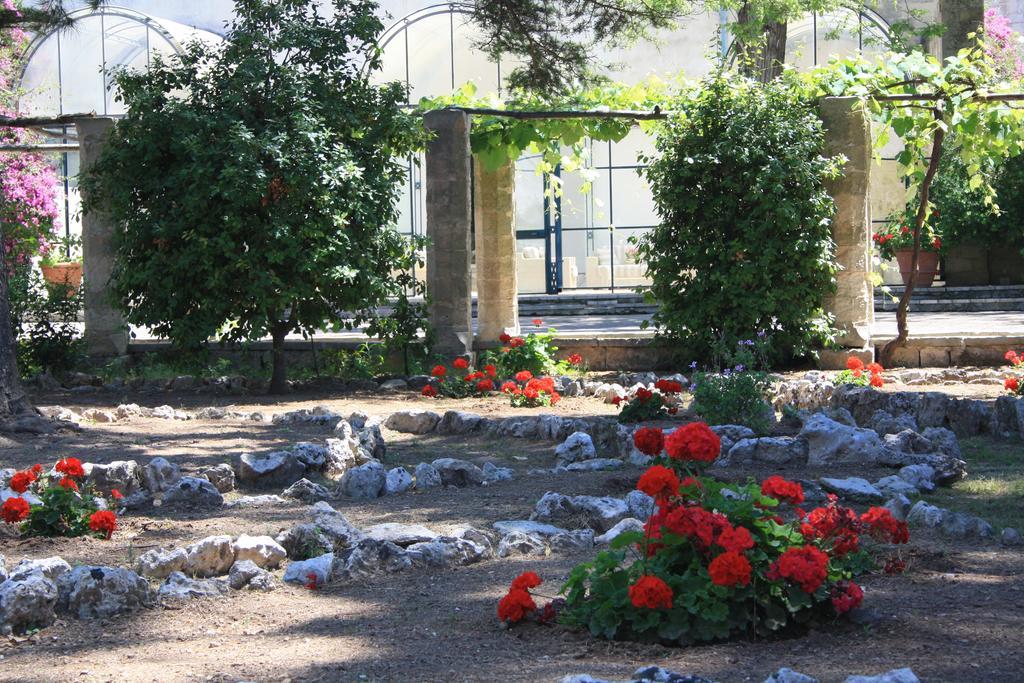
{"x":927,"y":266}
{"x":69,"y":274}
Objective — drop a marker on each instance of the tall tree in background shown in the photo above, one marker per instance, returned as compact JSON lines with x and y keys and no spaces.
{"x":16,"y":411}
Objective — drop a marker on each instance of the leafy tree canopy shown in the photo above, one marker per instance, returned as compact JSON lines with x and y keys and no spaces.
{"x":255,"y":183}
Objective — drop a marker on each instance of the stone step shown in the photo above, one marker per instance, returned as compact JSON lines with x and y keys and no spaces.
{"x":981,"y":292}
{"x":954,"y":305}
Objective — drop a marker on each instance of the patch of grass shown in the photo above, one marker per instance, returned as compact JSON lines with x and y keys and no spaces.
{"x":994,"y":488}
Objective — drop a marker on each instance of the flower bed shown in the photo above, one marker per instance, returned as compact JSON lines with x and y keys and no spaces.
{"x":718,"y":560}
{"x":56,"y":504}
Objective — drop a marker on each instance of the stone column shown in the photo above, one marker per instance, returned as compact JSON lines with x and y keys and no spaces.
{"x":848,"y":132}
{"x":961,"y":18}
{"x":106,"y":333}
{"x":449,"y":221}
{"x":496,"y":284}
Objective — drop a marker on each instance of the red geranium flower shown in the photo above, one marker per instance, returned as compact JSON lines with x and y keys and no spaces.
{"x":694,"y":441}
{"x":103,"y":521}
{"x":524,"y":376}
{"x":782,"y":490}
{"x":877,"y":381}
{"x":538,"y":322}
{"x":845,"y":596}
{"x":1011,"y":356}
{"x":875,"y":368}
{"x":491,"y":370}
{"x":883,"y":526}
{"x":854,"y":363}
{"x":526,"y":580}
{"x":37,"y":468}
{"x":1011,"y":384}
{"x":21,"y":481}
{"x":68,"y":483}
{"x":504,"y":338}
{"x":439,"y":371}
{"x":429,"y":391}
{"x":736,"y":539}
{"x":806,"y":566}
{"x":473,"y":376}
{"x":14,"y":510}
{"x":311,"y":581}
{"x":616,"y":400}
{"x":730,"y":569}
{"x":659,"y":482}
{"x":516,"y":342}
{"x":71,"y":467}
{"x":668,"y":386}
{"x":460,"y":363}
{"x":650,"y":592}
{"x":485,"y":385}
{"x":575,"y":359}
{"x":649,"y":440}
{"x":509,"y":387}
{"x":516,"y":605}
{"x":115,"y":494}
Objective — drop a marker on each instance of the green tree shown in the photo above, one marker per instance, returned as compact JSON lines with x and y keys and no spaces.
{"x":254,"y":182}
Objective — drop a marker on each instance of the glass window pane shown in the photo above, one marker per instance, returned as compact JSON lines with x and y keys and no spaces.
{"x":81,"y":67}
{"x":430,"y":57}
{"x":42,"y":81}
{"x":127,"y":43}
{"x":470,"y":64}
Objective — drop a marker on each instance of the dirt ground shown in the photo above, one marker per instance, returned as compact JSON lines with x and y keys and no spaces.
{"x":957,"y":614}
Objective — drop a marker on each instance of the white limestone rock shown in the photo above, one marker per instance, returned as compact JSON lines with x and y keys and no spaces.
{"x":211,"y":556}
{"x":264,"y":551}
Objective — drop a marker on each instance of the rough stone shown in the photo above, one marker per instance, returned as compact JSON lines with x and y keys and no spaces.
{"x":458,"y":422}
{"x":962,"y":525}
{"x":921,"y":477}
{"x":785,"y":675}
{"x":304,"y":541}
{"x":394,"y":385}
{"x":368,"y":558}
{"x":364,"y":482}
{"x":123,"y":475}
{"x":595,"y":465}
{"x":255,"y":501}
{"x":211,"y":556}
{"x":343,"y":453}
{"x":306,"y":491}
{"x":446,"y":551}
{"x":627,"y":524}
{"x":193,"y":492}
{"x":246,"y":573}
{"x":427,"y":476}
{"x":831,"y":442}
{"x":571,"y":540}
{"x":280,"y":468}
{"x":400,"y":534}
{"x":264,"y":551}
{"x":884,"y":422}
{"x":180,"y":587}
{"x":657,"y":674}
{"x":51,"y":567}
{"x":397,"y":480}
{"x":493,"y":473}
{"x":101,"y":592}
{"x":776,"y":450}
{"x":159,"y":563}
{"x":299,"y":572}
{"x":336,"y":527}
{"x":520,"y":543}
{"x":530,"y":527}
{"x":855,"y":489}
{"x":413,"y":421}
{"x":600,"y":513}
{"x":925,"y":515}
{"x":579,"y":446}
{"x":894,"y":485}
{"x":27,"y":603}
{"x":899,"y":506}
{"x":730,"y":434}
{"x":1010,"y":536}
{"x":944,"y":440}
{"x":160,"y":474}
{"x":458,"y":473}
{"x":222,"y":477}
{"x":641,"y":506}
{"x":904,"y":675}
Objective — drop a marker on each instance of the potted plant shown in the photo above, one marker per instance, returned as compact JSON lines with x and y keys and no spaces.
{"x":896,"y":241}
{"x":62,"y":263}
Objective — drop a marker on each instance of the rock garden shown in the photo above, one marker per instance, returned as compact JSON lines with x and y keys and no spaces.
{"x":357,"y":533}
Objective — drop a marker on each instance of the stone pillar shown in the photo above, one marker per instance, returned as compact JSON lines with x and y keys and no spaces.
{"x":496,"y":284}
{"x":449,"y":221}
{"x":106,"y":333}
{"x":848,"y":132}
{"x":961,"y":18}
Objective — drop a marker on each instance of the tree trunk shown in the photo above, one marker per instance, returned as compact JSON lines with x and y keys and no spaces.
{"x":279,"y":374}
{"x":885,"y":356}
{"x":763,"y":59}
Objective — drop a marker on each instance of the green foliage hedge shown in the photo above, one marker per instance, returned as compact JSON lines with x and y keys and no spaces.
{"x":745,"y":242}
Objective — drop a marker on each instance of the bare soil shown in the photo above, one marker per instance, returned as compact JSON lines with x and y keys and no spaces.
{"x":957,"y":614}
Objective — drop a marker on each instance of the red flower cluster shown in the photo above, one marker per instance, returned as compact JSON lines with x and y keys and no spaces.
{"x":845,"y":596}
{"x":460,"y":363}
{"x":650,"y":592}
{"x":649,"y":440}
{"x":730,"y":568}
{"x":688,"y":521}
{"x":516,"y":342}
{"x":735,"y":539}
{"x":1012,"y":384}
{"x":518,"y":603}
{"x":68,"y":483}
{"x":536,"y":390}
{"x":668,"y":386}
{"x":524,"y":376}
{"x":71,"y":467}
{"x":659,"y":482}
{"x":439,"y":371}
{"x":694,"y":441}
{"x":856,"y":366}
{"x":103,"y":521}
{"x":429,"y":391}
{"x":485,"y":385}
{"x":311,"y":581}
{"x":881,"y":525}
{"x":837,"y":527}
{"x":575,"y":359}
{"x":22,"y":480}
{"x":491,"y":370}
{"x":783,"y":491}
{"x":14,"y":510}
{"x":806,"y":566}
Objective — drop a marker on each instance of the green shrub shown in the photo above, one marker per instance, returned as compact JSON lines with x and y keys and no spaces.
{"x":44,"y":319}
{"x":745,"y":240}
{"x":736,"y":392}
{"x":534,"y":351}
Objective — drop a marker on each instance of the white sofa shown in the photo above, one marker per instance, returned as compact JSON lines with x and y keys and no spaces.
{"x":598,"y":269}
{"x":532,"y":273}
